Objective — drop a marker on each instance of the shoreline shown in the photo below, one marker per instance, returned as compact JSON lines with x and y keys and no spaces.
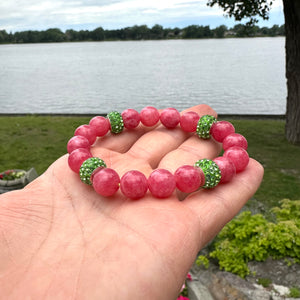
{"x":221,"y":116}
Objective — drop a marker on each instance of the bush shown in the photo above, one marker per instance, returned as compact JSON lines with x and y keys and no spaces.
{"x":251,"y":237}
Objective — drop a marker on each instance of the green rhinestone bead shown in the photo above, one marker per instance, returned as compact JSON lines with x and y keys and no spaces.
{"x":116,"y":122}
{"x":204,"y":125}
{"x":211,"y":172}
{"x":88,"y":167}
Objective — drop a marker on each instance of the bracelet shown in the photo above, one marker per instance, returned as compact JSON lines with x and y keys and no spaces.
{"x":161,"y":183}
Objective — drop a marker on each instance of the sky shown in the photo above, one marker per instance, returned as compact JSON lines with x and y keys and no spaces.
{"x":21,"y":15}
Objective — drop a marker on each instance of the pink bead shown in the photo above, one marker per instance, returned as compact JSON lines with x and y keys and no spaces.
{"x":170,"y":117}
{"x":219,"y":130}
{"x":106,"y":181}
{"x":161,"y":183}
{"x":131,"y":118}
{"x":226,"y":167}
{"x":189,"y":121}
{"x":77,"y":142}
{"x":149,"y":116}
{"x":235,"y":139}
{"x":188,"y":178}
{"x":100,"y":124}
{"x":238,"y":156}
{"x":88,"y":132}
{"x":77,"y":157}
{"x":134,"y":184}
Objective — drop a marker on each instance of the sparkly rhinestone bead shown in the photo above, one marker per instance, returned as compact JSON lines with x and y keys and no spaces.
{"x":116,"y":122}
{"x":88,"y":167}
{"x":211,"y":172}
{"x":204,"y":125}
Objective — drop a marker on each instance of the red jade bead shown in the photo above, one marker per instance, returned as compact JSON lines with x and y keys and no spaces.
{"x":149,"y":116}
{"x":100,"y":125}
{"x":88,"y":132}
{"x":226,"y":167}
{"x":238,"y":156}
{"x":219,"y":130}
{"x":161,"y":183}
{"x":77,"y":142}
{"x":134,"y":184}
{"x":131,"y":118}
{"x":105,"y":181}
{"x":170,"y":117}
{"x":189,"y":121}
{"x":77,"y":157}
{"x":235,"y":139}
{"x":188,"y":178}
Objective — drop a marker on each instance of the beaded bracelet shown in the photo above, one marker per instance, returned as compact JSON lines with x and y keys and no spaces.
{"x":161,"y":183}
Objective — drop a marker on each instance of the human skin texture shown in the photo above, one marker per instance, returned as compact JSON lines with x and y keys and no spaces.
{"x":59,"y":239}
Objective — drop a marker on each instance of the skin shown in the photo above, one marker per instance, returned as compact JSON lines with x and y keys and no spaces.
{"x":59,"y":239}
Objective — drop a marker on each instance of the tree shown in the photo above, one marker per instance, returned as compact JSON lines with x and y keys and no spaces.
{"x":98,"y":34}
{"x":220,"y":31}
{"x":240,"y":9}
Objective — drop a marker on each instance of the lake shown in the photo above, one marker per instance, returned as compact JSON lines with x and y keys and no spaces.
{"x":234,"y":76}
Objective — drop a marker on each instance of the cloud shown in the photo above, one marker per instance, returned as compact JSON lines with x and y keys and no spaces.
{"x":18,"y":15}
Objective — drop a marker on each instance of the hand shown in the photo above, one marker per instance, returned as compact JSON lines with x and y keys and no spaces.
{"x":59,"y":239}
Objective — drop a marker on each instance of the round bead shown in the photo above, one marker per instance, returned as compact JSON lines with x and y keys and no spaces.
{"x":219,"y":130}
{"x":189,"y":121}
{"x":88,"y":132}
{"x":77,"y":142}
{"x":88,"y":167}
{"x":77,"y":157}
{"x":170,"y":117}
{"x":100,"y":124}
{"x":149,"y":116}
{"x":161,"y":183}
{"x":227,"y":168}
{"x":116,"y":122}
{"x":188,"y":178}
{"x":204,"y":126}
{"x":211,"y":172}
{"x":238,"y":156}
{"x":131,"y":118}
{"x":134,"y":184}
{"x":235,"y":139}
{"x":106,"y":181}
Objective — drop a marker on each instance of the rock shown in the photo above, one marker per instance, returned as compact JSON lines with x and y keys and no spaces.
{"x":213,"y":284}
{"x":218,"y":285}
{"x":278,"y":271}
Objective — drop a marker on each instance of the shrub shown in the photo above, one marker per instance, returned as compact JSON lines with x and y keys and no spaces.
{"x":252,"y":237}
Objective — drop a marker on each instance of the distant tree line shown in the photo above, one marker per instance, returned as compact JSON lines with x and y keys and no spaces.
{"x":142,"y":32}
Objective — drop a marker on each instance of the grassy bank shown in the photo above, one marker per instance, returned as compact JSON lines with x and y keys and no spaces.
{"x":36,"y":141}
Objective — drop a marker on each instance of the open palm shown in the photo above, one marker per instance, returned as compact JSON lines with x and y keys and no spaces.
{"x":61,"y":240}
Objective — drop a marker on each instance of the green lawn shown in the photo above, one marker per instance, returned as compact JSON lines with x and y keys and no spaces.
{"x":36,"y":141}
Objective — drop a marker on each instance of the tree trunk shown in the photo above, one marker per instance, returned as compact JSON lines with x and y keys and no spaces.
{"x":292,"y":44}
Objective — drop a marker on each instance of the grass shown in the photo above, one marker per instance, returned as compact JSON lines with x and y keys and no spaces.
{"x":37,"y":141}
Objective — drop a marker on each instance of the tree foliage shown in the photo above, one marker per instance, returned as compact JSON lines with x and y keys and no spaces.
{"x":248,"y":9}
{"x":142,"y":32}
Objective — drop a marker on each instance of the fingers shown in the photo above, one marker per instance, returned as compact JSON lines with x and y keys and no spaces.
{"x":154,"y":145}
{"x":217,"y":206}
